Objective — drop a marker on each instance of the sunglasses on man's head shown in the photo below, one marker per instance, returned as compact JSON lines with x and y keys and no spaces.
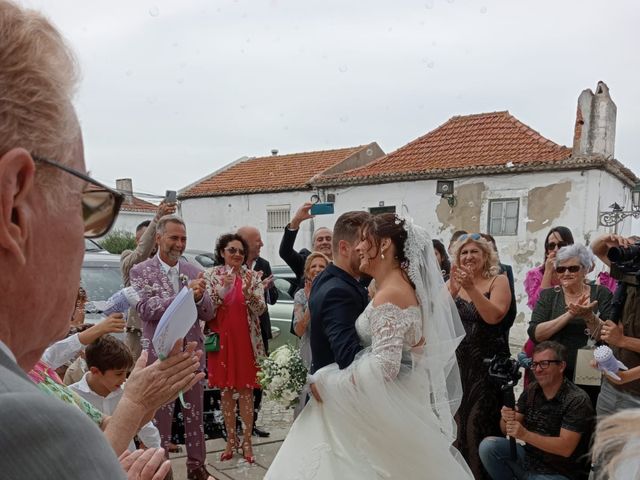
{"x":553,"y":245}
{"x":234,"y":251}
{"x":472,"y":236}
{"x":100,"y":204}
{"x":571,"y":268}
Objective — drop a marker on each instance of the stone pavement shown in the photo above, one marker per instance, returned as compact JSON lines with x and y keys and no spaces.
{"x":274,"y":419}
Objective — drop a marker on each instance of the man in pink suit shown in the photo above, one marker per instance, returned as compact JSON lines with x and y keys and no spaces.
{"x":158,"y":280}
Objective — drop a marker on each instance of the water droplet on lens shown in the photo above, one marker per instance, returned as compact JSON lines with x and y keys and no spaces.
{"x":154,"y":11}
{"x":369,"y":152}
{"x":128,"y":73}
{"x":343,"y":68}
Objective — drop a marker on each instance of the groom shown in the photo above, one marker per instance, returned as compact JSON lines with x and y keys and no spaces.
{"x":337,"y":299}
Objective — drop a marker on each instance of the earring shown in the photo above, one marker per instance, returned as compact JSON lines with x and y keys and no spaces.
{"x":382,"y":256}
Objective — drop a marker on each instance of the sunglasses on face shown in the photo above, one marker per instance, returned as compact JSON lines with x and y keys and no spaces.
{"x":554,"y":245}
{"x":571,"y":268}
{"x":100,"y":204}
{"x":543,"y":364}
{"x":472,"y":236}
{"x":234,"y":251}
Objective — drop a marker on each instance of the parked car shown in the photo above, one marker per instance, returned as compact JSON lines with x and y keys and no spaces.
{"x":282,"y":312}
{"x":100,"y":276}
{"x":200,"y":258}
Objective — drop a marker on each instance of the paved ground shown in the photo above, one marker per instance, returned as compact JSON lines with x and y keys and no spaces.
{"x":274,"y":419}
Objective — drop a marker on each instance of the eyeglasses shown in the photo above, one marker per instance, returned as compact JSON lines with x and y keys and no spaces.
{"x":543,"y":364}
{"x":571,"y":268}
{"x":100,"y":204}
{"x":472,"y":236}
{"x":554,"y":245}
{"x":234,"y":251}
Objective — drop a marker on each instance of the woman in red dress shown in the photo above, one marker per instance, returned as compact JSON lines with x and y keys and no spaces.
{"x":238,"y":295}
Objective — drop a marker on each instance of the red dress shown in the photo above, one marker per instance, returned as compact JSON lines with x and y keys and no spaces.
{"x":234,"y":366}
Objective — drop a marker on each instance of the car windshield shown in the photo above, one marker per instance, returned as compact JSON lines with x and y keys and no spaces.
{"x":91,"y":246}
{"x":205,"y":260}
{"x":101,"y":281}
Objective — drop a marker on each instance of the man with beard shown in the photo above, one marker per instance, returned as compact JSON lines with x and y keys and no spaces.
{"x":158,"y":280}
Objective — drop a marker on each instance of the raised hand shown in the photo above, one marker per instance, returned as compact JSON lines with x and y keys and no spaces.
{"x":301,"y":215}
{"x":114,"y":323}
{"x":165,"y":209}
{"x":454,"y":284}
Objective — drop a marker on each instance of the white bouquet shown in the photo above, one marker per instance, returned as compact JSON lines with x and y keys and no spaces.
{"x":282,"y":375}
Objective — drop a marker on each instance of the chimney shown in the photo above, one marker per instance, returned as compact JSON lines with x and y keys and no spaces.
{"x":125,"y":185}
{"x":595,"y":129}
{"x":274,"y":151}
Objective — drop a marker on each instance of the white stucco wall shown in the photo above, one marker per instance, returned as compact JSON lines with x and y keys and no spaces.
{"x":208,"y":218}
{"x":582,"y":195}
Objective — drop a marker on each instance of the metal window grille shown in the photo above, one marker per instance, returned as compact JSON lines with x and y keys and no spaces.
{"x":503,"y":216}
{"x":278,"y":217}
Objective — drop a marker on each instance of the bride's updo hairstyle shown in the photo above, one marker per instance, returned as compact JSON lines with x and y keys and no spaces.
{"x":387,"y":225}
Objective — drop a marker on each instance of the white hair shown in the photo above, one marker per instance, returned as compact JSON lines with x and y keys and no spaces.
{"x":579,"y":251}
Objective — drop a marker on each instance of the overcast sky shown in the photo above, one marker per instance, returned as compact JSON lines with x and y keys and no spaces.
{"x":173,"y":90}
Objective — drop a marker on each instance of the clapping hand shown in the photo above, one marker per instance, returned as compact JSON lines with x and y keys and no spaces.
{"x":149,"y":464}
{"x":198,"y":286}
{"x":267,"y":283}
{"x":151,"y":386}
{"x":454,"y":285}
{"x":463,"y":276}
{"x":582,"y":307}
{"x":247,"y":283}
{"x":307,"y":288}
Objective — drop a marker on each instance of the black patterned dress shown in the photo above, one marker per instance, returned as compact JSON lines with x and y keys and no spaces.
{"x":479,"y":413}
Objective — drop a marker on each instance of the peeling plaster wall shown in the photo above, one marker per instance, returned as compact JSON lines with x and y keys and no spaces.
{"x":546,"y":205}
{"x":465,"y":215}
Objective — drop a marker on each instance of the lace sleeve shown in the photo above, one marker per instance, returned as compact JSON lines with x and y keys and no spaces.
{"x":392,"y":329}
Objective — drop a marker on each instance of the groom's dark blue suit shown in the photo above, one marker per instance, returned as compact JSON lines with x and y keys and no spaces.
{"x":336,"y":301}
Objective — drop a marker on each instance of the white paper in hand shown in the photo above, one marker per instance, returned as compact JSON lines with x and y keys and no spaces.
{"x":175,"y":322}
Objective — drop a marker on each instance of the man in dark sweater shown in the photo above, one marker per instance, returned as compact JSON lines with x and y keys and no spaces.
{"x":554,"y":418}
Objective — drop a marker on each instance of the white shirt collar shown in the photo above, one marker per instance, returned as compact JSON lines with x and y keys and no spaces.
{"x":7,"y":351}
{"x":165,"y":266}
{"x":83,"y":386}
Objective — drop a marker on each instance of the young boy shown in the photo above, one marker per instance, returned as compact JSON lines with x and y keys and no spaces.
{"x":109,"y":360}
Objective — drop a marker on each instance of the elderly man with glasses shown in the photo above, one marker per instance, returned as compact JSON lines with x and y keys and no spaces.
{"x":554,"y":419}
{"x":47,"y":205}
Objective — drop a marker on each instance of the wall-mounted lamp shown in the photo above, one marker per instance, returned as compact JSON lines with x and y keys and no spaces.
{"x":617,"y":214}
{"x":444,"y":188}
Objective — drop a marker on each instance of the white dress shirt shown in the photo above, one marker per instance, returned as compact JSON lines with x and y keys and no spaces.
{"x":149,"y":434}
{"x":61,"y":352}
{"x":173,"y":273}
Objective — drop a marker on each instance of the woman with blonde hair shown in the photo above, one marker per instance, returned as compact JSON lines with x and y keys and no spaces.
{"x":615,"y":446}
{"x":483,"y":297}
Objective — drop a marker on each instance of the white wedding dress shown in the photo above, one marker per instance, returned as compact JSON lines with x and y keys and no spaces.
{"x":378,"y":418}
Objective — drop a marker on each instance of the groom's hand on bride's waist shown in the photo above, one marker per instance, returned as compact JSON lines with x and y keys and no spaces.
{"x":314,"y":392}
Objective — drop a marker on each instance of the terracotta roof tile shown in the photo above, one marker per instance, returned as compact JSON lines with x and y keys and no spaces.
{"x":138,"y":205}
{"x":269,"y":174}
{"x":463,"y":142}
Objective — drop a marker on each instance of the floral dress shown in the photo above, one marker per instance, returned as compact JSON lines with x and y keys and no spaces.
{"x":49,"y":382}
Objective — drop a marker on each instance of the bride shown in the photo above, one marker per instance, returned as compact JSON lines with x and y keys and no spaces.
{"x":389,"y":415}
